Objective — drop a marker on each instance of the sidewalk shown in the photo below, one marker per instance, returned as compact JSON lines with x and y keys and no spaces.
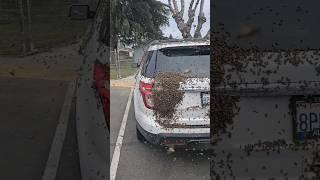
{"x":58,"y":64}
{"x":125,"y":82}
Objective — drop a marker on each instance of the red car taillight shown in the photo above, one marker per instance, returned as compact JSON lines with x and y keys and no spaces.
{"x":101,"y":77}
{"x":146,"y":92}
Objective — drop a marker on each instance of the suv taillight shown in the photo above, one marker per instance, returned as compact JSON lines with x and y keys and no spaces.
{"x":101,"y":77}
{"x":146,"y":92}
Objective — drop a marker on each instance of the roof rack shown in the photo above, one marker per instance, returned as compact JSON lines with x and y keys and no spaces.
{"x":159,"y":44}
{"x":178,"y":40}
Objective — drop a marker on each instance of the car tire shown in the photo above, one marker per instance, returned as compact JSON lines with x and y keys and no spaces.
{"x":140,"y":137}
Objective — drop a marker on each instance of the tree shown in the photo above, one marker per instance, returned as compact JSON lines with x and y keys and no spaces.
{"x":185,"y":26}
{"x":134,"y":21}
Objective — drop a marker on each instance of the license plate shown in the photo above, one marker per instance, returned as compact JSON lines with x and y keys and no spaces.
{"x":205,"y":99}
{"x":307,"y":118}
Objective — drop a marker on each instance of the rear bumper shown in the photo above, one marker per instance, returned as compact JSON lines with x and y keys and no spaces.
{"x":166,"y":139}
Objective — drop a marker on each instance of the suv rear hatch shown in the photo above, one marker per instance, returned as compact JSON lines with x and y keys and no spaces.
{"x":193,"y":63}
{"x":273,"y":114}
{"x":275,"y":88}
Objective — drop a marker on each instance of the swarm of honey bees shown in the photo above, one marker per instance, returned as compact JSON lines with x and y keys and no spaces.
{"x":167,"y":96}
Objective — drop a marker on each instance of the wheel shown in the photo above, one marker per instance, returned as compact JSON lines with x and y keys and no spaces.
{"x":140,"y":137}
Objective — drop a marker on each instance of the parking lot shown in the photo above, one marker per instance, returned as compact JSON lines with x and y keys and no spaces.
{"x":33,"y":94}
{"x":143,"y":161}
{"x":30,"y":110}
{"x":31,"y":106}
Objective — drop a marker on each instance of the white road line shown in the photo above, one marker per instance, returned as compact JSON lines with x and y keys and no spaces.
{"x":117,"y":149}
{"x":52,"y":164}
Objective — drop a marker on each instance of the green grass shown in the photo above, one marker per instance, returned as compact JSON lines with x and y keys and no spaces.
{"x":51,"y":28}
{"x":45,"y":35}
{"x":125,"y":71}
{"x":9,"y":35}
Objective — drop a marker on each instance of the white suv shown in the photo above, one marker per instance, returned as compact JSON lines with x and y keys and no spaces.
{"x":191,"y":117}
{"x":93,"y":100}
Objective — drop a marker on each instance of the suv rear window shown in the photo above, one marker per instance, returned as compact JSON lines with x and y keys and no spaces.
{"x":193,"y":61}
{"x":269,"y":24}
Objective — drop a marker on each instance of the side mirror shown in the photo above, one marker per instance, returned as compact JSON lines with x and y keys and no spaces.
{"x":80,"y":12}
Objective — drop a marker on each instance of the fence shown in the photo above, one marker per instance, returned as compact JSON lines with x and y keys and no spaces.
{"x":27,"y":26}
{"x":123,"y":66}
{"x":8,"y":9}
{"x":121,"y":63}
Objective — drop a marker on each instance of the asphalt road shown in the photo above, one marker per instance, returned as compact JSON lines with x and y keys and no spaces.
{"x":143,"y":161}
{"x":118,"y":100}
{"x":29,"y":112}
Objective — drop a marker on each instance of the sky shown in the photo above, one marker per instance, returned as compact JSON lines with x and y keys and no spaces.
{"x":172,"y":28}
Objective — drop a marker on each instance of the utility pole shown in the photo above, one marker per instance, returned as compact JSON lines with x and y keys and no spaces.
{"x":30,"y":42}
{"x":25,"y":16}
{"x":22,"y":27}
{"x":118,"y":60}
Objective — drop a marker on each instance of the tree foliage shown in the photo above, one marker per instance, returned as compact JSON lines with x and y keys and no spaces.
{"x":134,"y":21}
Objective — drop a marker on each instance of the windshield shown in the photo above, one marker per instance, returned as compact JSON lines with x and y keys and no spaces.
{"x":269,"y":24}
{"x":191,"y":61}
